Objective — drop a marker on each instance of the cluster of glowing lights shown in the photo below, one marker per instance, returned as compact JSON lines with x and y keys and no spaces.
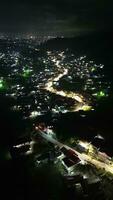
{"x":84,"y":157}
{"x":100,"y":94}
{"x":107,"y":166}
{"x":2,"y":84}
{"x":75,"y":96}
{"x":49,"y":87}
{"x":26,"y":73}
{"x":84,"y":144}
{"x":34,"y":114}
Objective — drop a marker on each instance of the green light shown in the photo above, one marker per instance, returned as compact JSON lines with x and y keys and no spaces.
{"x":1,"y":85}
{"x":26,"y":73}
{"x":92,"y":69}
{"x":100,"y":94}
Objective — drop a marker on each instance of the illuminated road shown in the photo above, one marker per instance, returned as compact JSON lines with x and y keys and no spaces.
{"x":75,"y":96}
{"x":83,"y":157}
{"x":50,"y":139}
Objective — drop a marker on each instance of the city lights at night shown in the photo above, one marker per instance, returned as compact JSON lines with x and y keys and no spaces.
{"x":56,"y":99}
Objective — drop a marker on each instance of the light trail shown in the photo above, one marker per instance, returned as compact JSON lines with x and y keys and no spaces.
{"x":75,"y":96}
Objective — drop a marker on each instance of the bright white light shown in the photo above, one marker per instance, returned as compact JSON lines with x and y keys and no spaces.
{"x":34,"y":114}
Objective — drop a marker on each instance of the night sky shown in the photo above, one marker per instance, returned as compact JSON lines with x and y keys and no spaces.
{"x":60,"y":17}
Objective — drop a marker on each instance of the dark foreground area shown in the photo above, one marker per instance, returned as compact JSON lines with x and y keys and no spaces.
{"x":20,"y":179}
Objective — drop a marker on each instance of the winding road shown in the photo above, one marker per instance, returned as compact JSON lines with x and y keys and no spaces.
{"x":82,"y":105}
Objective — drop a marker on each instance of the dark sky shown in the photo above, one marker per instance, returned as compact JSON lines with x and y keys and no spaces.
{"x":65,"y":17}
